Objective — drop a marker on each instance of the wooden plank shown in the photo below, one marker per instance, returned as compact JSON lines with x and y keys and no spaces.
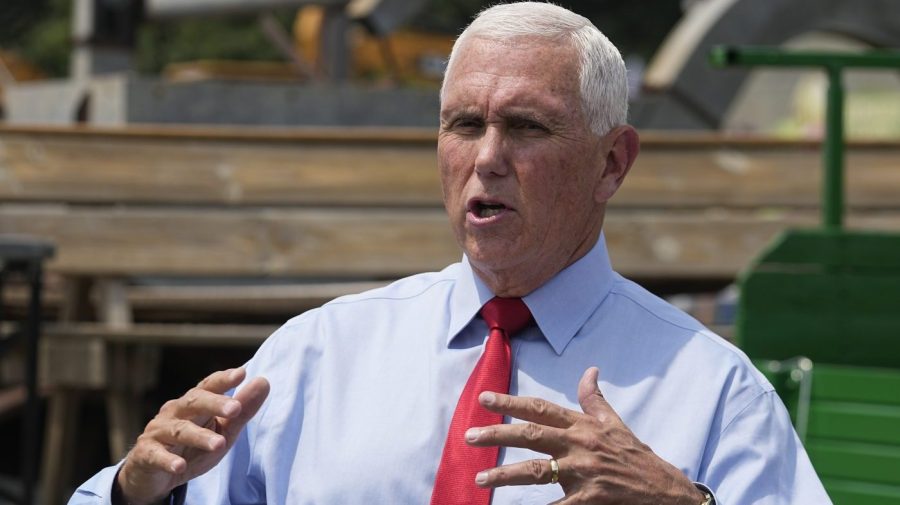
{"x":353,"y":167}
{"x":336,"y":243}
{"x":244,"y":133}
{"x":211,"y":172}
{"x":12,"y":398}
{"x":373,"y":244}
{"x":710,"y":243}
{"x":246,"y":299}
{"x":749,"y":176}
{"x":174,"y":334}
{"x":252,"y":296}
{"x":59,"y":443}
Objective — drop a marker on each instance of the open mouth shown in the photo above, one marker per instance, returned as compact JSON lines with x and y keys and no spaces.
{"x":484,"y":209}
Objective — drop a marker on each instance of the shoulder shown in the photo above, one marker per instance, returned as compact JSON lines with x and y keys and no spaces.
{"x":692,"y":345}
{"x":406,"y":290}
{"x":359,"y":310}
{"x":656,"y":311}
{"x":356,"y":324}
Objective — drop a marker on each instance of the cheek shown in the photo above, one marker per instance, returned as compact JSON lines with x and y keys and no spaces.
{"x":454,"y":171}
{"x":452,"y":184}
{"x":560,"y":198}
{"x":447,"y":174}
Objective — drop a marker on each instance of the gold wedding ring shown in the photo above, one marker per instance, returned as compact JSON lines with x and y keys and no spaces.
{"x":554,"y":471}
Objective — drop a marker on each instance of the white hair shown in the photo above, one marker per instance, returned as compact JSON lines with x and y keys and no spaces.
{"x":602,"y":77}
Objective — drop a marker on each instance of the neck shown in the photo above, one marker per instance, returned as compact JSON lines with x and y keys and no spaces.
{"x":520,"y":280}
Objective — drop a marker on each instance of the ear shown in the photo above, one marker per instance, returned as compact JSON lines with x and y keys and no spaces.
{"x":622,"y":151}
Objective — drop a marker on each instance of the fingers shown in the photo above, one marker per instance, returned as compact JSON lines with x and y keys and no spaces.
{"x":223,"y":380}
{"x":201,"y":404}
{"x":590,"y":398}
{"x":250,"y":399}
{"x":536,"y":437}
{"x":184,"y":433}
{"x":152,"y":455}
{"x":206,"y":402}
{"x":190,"y":435}
{"x":535,"y":410}
{"x":532,"y":471}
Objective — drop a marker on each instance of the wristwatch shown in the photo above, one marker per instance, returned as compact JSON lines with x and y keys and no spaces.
{"x":708,"y":498}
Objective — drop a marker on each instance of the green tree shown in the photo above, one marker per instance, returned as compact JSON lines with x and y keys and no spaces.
{"x":41,"y":30}
{"x":231,"y":38}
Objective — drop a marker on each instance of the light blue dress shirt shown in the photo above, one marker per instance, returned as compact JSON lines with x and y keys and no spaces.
{"x":363,"y":389}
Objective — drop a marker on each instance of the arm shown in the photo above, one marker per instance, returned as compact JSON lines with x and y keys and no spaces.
{"x":758,"y":458}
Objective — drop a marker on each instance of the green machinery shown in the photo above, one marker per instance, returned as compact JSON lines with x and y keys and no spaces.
{"x":819,"y":313}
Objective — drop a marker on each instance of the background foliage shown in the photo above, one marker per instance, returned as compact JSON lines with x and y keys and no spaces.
{"x":40,"y":30}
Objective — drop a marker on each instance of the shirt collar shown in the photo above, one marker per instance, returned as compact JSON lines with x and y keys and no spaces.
{"x":560,"y":307}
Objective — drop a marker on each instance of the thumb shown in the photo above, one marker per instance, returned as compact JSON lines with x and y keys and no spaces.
{"x":589,"y":396}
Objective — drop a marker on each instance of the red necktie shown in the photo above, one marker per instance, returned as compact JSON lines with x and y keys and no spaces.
{"x":455,"y":480}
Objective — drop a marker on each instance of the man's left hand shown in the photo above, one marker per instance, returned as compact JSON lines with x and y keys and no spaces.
{"x":600,"y":460}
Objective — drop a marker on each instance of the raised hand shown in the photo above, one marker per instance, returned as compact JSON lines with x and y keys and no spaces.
{"x":189,"y":436}
{"x":600,"y":461}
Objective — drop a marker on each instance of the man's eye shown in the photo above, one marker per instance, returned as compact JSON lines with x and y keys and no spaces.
{"x":530,"y":126}
{"x":466,"y":124}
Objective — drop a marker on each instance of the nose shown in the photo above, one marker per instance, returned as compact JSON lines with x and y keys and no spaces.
{"x":491,"y":159}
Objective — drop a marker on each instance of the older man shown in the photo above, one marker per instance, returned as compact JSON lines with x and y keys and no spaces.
{"x":399,"y":395}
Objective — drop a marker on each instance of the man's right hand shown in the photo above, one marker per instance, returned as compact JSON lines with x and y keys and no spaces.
{"x":189,"y":436}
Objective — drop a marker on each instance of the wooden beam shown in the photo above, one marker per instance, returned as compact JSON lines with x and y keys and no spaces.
{"x":378,"y":244}
{"x":177,"y":171}
{"x":342,"y":243}
{"x":750,"y":176}
{"x":242,"y":299}
{"x":399,"y":168}
{"x":175,"y":334}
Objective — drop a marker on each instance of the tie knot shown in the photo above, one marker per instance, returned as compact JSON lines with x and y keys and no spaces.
{"x":509,"y":314}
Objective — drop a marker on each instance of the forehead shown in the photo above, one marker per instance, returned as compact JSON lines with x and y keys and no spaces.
{"x":522,"y":71}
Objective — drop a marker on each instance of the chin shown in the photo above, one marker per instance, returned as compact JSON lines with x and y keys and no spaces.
{"x":490,"y":255}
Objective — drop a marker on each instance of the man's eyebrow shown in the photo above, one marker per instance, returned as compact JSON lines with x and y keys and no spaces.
{"x":525,"y":115}
{"x":530,"y":115}
{"x":463,"y":113}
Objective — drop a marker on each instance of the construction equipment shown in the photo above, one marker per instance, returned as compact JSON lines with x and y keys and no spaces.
{"x":819,"y":312}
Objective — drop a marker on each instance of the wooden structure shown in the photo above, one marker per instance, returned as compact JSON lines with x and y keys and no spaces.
{"x":293,"y":202}
{"x":284,"y":220}
{"x":24,"y":257}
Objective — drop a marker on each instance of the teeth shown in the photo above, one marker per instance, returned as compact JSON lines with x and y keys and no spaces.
{"x":491,"y":211}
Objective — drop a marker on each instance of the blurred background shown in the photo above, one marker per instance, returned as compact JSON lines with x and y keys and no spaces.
{"x":188,"y":174}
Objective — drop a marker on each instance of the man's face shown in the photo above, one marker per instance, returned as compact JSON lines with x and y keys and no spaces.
{"x":519,"y":164}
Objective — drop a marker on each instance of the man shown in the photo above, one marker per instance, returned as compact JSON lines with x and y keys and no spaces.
{"x":532,"y":145}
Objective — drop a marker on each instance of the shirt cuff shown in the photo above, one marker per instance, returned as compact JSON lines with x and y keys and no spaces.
{"x":176,"y":497}
{"x":706,"y":489}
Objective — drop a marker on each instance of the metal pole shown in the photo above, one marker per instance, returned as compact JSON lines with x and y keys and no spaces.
{"x":833,"y":156}
{"x":160,"y":9}
{"x":31,"y":419}
{"x":833,"y":63}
